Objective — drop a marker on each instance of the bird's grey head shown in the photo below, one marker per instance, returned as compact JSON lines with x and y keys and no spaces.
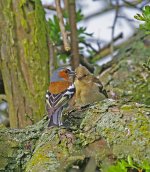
{"x":56,"y":77}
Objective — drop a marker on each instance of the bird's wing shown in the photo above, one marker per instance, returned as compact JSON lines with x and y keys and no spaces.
{"x":99,"y":84}
{"x":56,"y":100}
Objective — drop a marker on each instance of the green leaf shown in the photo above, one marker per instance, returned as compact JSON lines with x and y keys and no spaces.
{"x":145,"y":16}
{"x":63,"y":57}
{"x":139,"y":17}
{"x":130,"y":160}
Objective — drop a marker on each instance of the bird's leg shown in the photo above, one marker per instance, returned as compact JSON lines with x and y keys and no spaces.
{"x":60,"y":122}
{"x":51,"y":123}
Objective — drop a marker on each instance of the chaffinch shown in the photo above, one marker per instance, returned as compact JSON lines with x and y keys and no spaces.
{"x":61,"y":90}
{"x":89,"y":89}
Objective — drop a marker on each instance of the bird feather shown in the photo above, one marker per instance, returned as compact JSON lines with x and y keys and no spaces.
{"x":56,"y":102}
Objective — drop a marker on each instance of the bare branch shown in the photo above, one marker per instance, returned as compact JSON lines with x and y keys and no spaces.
{"x":62,"y":26}
{"x":50,"y":7}
{"x":132,"y":4}
{"x":90,"y":46}
{"x":111,"y":7}
{"x":125,"y":18}
{"x":97,"y":13}
{"x":106,"y":49}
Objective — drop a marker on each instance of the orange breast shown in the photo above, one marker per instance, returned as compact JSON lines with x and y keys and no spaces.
{"x":58,"y":87}
{"x":64,"y":75}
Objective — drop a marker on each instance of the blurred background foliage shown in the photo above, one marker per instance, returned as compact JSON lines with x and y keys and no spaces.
{"x":95,"y":50}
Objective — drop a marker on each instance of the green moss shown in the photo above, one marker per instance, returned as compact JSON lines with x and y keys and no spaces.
{"x":43,"y":159}
{"x":127,"y":77}
{"x":126,"y":107}
{"x":7,"y":152}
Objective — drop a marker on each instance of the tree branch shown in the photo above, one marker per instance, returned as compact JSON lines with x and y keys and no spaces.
{"x":97,"y":13}
{"x":74,"y":36}
{"x":50,"y":7}
{"x":85,"y":63}
{"x":111,"y":7}
{"x":62,"y":26}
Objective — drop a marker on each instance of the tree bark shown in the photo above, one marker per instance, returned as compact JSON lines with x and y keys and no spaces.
{"x":104,"y":132}
{"x":23,"y":60}
{"x":74,"y":36}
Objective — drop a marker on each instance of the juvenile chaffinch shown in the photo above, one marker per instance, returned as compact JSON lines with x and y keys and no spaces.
{"x":89,"y":89}
{"x":61,"y":90}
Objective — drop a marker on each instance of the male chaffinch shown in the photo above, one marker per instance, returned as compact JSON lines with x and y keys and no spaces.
{"x":61,"y":90}
{"x":89,"y":89}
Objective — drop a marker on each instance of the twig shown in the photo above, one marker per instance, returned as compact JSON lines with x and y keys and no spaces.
{"x":62,"y":26}
{"x":132,"y":4}
{"x":97,"y":13}
{"x":90,"y":46}
{"x":119,"y":36}
{"x":111,"y":7}
{"x":50,"y":7}
{"x":126,"y":18}
{"x":106,"y":49}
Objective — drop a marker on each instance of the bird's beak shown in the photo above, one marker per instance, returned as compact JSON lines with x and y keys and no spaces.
{"x":71,"y":73}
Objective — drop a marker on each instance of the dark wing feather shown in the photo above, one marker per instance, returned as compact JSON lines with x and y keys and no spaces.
{"x":101,"y":88}
{"x":55,"y":101}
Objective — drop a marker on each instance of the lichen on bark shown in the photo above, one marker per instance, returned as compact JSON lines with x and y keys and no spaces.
{"x":103,"y":131}
{"x":24,"y":60}
{"x":127,"y":78}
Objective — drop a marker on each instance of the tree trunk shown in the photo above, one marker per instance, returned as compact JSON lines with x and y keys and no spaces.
{"x":23,"y":59}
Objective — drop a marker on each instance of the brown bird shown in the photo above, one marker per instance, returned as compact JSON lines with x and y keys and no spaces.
{"x":89,"y":89}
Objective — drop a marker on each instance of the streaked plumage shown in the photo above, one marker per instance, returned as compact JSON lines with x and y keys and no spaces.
{"x":89,"y":89}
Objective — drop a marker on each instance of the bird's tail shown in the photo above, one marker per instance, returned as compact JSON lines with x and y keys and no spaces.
{"x":56,"y":118}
